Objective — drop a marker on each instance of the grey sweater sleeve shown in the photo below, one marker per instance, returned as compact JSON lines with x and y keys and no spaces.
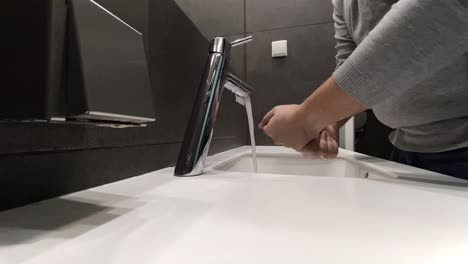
{"x":345,"y":44}
{"x":414,"y":40}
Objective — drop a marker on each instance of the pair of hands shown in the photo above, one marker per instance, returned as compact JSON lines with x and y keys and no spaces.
{"x":294,"y":127}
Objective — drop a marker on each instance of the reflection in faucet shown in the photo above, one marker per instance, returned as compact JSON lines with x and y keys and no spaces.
{"x":199,"y":132}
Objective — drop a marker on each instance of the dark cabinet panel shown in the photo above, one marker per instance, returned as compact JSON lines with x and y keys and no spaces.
{"x":72,"y":58}
{"x":42,"y":160}
{"x":24,"y":60}
{"x":112,"y":73}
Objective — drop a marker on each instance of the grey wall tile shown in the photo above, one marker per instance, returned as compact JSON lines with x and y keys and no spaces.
{"x":274,"y":14}
{"x":237,"y":64}
{"x":289,"y":80}
{"x":215,"y":17}
{"x":311,"y":53}
{"x":176,"y":82}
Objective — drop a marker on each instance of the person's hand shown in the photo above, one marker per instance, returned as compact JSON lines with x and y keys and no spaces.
{"x":300,"y":126}
{"x":291,"y":126}
{"x":326,"y":146}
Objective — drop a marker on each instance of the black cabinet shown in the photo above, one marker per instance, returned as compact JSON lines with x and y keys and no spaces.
{"x":73,"y":61}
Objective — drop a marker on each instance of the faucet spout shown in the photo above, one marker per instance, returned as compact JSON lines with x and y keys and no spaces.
{"x":199,"y":133}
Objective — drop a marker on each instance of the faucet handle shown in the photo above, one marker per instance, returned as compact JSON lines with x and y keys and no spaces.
{"x":238,"y":87}
{"x":241,"y":41}
{"x":239,"y":83}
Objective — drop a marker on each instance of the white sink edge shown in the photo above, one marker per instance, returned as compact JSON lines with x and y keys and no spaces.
{"x":390,"y":169}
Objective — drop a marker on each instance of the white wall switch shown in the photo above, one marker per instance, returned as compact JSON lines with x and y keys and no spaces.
{"x":279,"y":48}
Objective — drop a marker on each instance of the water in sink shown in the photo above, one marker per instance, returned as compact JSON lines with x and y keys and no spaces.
{"x":290,"y":164}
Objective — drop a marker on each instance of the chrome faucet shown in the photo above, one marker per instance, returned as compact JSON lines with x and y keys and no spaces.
{"x":199,"y":133}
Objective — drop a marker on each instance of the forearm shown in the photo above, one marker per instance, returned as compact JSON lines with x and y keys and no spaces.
{"x":329,"y":104}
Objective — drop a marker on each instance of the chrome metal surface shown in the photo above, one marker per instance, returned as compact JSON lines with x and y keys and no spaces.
{"x":93,"y":115}
{"x":238,"y":87}
{"x":239,"y":83}
{"x":220,"y":45}
{"x":241,"y":41}
{"x":199,"y":133}
{"x":58,"y":119}
{"x":93,"y":123}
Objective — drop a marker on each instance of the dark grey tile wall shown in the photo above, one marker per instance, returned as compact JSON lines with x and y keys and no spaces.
{"x":223,"y":18}
{"x":288,"y":80}
{"x":308,"y":28}
{"x":40,"y":161}
{"x":238,"y":57}
{"x":216,"y":17}
{"x":274,"y":14}
{"x":307,"y":25}
{"x":175,"y":105}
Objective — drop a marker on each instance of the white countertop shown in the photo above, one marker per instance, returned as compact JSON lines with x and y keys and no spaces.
{"x":237,"y":218}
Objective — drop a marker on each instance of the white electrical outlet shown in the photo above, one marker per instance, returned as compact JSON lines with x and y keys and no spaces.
{"x":279,"y":48}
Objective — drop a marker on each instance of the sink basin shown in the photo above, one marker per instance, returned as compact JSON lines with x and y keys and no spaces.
{"x":293,"y":164}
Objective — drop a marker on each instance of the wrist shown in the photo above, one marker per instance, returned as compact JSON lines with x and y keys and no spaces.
{"x":311,"y":117}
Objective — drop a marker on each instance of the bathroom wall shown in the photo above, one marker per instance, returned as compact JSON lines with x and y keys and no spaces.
{"x":40,"y":161}
{"x":308,"y":27}
{"x":306,"y":24}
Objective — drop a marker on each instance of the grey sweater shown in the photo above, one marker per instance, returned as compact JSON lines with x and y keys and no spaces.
{"x":408,"y":61}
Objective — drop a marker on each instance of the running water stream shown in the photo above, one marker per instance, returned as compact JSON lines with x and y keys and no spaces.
{"x":248,"y":108}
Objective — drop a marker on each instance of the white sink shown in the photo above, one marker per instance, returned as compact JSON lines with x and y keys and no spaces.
{"x":294,"y":164}
{"x":348,"y":164}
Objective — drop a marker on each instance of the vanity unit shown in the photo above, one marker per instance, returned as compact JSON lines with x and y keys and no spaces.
{"x":355,"y":209}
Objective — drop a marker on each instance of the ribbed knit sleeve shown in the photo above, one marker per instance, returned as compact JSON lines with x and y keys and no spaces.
{"x":414,"y":40}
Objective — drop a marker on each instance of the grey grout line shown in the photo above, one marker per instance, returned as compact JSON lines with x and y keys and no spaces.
{"x":291,"y":27}
{"x":245,"y":35}
{"x":274,"y":29}
{"x":245,"y":17}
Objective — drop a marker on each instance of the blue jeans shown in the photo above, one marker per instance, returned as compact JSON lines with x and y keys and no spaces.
{"x":453,"y":163}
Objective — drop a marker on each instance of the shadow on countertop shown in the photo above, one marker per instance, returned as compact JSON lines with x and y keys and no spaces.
{"x":28,"y":224}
